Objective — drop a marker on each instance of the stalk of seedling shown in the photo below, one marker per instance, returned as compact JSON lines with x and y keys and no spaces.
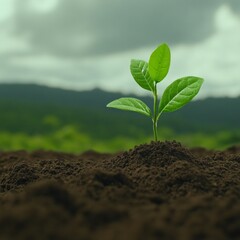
{"x":148,"y":75}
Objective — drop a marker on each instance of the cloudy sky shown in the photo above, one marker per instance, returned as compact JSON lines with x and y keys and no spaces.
{"x":83,"y":44}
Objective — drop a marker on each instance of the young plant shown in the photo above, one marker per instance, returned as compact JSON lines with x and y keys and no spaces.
{"x":148,"y":75}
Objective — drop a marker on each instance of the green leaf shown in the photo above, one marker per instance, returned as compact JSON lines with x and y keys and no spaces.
{"x":179,"y":93}
{"x":130,"y":104}
{"x":139,"y":70}
{"x":159,"y":63}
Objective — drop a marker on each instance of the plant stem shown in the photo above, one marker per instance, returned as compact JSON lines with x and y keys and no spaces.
{"x":155,"y":112}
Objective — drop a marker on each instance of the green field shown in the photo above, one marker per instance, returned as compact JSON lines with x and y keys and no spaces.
{"x":35,"y":117}
{"x":69,"y":139}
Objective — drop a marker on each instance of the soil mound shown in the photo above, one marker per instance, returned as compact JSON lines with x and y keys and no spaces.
{"x":160,"y":190}
{"x":157,"y":154}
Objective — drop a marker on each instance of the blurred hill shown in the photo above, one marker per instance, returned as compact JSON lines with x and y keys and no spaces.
{"x":34,"y":109}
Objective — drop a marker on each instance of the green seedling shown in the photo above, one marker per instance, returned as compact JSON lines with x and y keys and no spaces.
{"x":147,"y":76}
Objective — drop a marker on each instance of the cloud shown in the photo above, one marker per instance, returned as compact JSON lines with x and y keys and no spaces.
{"x":84,"y":44}
{"x":216,"y":59}
{"x":76,"y":28}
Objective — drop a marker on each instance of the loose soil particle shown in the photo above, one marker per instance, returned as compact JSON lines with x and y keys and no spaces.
{"x":159,"y":190}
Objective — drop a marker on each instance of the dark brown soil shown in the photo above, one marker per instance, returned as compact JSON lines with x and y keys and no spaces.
{"x":156,"y":191}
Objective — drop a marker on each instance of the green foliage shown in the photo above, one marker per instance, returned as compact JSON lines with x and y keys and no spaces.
{"x":148,"y":75}
{"x":29,"y":110}
{"x":131,"y":104}
{"x":179,"y":93}
{"x":159,"y":63}
{"x":52,"y":121}
{"x":139,"y":70}
{"x":70,"y":139}
{"x":62,"y":120}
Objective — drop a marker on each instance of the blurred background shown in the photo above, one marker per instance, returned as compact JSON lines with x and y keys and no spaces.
{"x":62,"y":61}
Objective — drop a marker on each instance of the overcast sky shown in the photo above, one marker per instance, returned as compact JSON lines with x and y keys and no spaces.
{"x":83,"y":44}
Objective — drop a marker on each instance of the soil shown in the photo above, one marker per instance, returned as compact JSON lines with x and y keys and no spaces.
{"x":160,"y":190}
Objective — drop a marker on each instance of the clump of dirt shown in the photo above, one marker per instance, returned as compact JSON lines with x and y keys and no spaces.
{"x":160,"y":190}
{"x":155,"y":154}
